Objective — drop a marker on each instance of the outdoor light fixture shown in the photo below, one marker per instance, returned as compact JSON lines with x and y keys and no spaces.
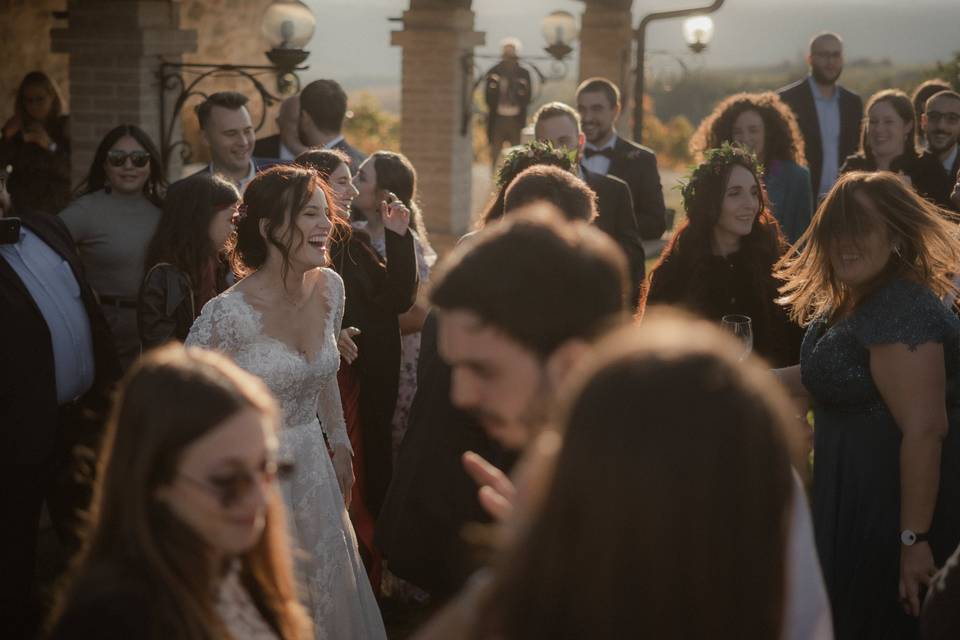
{"x":287,"y":25}
{"x":697,"y":32}
{"x":559,"y":30}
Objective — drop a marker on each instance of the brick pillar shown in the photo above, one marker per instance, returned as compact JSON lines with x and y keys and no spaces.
{"x":434,"y":39}
{"x":606,"y":49}
{"x":115,"y":49}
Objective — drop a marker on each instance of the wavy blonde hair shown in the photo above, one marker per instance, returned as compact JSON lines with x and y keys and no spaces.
{"x":926,"y":237}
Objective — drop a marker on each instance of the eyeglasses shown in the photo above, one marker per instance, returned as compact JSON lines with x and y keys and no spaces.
{"x":949,"y":118}
{"x":118,"y":158}
{"x":230,"y":489}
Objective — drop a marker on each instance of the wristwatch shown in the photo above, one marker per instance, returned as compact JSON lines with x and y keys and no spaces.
{"x":909,"y":538}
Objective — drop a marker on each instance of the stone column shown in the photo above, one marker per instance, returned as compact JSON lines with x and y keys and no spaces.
{"x":115,"y":49}
{"x":606,"y":47}
{"x":435,"y":38}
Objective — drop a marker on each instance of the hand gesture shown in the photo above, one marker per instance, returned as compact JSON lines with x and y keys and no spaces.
{"x":396,"y":216}
{"x":916,"y":568}
{"x":346,"y":345}
{"x":343,"y":467}
{"x":497,"y":492}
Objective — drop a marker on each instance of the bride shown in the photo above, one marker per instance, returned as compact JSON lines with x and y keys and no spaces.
{"x":281,"y":323}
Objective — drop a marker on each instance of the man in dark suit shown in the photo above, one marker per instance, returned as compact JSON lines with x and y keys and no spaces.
{"x":507,"y":94}
{"x":323,"y":107}
{"x":606,"y":153}
{"x":285,"y":145}
{"x":559,"y":124}
{"x":226,"y":128}
{"x":829,"y":116}
{"x":940,"y":123}
{"x":57,"y":364}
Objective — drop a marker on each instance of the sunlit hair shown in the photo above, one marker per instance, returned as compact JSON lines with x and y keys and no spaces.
{"x":276,"y":197}
{"x":904,"y":108}
{"x":781,"y":133}
{"x":170,"y":399}
{"x":926,"y":237}
{"x":688,"y":456}
{"x":395,"y":173}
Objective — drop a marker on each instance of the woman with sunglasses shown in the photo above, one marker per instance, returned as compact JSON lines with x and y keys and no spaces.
{"x":187,"y":533}
{"x":185,"y":263}
{"x":112,"y":222}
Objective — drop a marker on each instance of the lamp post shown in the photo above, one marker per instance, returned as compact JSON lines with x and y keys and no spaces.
{"x":697,"y":32}
{"x":559,"y":30}
{"x":287,"y":25}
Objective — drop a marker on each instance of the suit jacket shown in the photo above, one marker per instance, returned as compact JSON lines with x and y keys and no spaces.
{"x":268,"y":147}
{"x":799,"y":98}
{"x":376,"y":293}
{"x":926,"y":174}
{"x":431,"y":498}
{"x":259,"y":164}
{"x":615,"y":217}
{"x":28,"y":392}
{"x":637,"y":166}
{"x":356,"y":156}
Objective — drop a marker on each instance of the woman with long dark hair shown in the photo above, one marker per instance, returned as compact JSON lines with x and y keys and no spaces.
{"x":112,"y":222}
{"x":36,"y":143}
{"x":187,"y":535}
{"x":659,"y":508}
{"x":720,"y":262}
{"x":382,"y":174}
{"x":281,"y":322}
{"x":378,"y":290}
{"x":881,"y":363}
{"x":185,"y":265}
{"x":762,"y":124}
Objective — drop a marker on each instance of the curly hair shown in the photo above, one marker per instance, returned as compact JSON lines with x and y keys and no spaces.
{"x":781,"y":133}
{"x":517,"y":161}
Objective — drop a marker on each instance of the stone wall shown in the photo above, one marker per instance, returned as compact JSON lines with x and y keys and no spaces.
{"x":25,"y":46}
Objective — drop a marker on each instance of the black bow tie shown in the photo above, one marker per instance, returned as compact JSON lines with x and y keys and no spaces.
{"x":606,"y":152}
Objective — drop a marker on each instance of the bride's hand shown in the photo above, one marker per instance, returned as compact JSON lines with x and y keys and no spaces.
{"x":343,"y":467}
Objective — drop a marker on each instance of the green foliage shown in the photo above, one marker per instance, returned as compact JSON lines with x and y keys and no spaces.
{"x":371,"y":128}
{"x":950,"y":71}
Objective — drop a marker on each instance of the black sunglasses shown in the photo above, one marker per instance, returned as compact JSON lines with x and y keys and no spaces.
{"x":118,"y":158}
{"x":232,"y":488}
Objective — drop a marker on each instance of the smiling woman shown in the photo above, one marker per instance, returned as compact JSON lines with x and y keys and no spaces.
{"x":112,"y":222}
{"x":721,"y":260}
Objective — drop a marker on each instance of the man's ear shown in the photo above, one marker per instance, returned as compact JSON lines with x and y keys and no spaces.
{"x":564,"y":358}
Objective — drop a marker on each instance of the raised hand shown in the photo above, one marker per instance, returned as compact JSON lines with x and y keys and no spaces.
{"x":396,"y":216}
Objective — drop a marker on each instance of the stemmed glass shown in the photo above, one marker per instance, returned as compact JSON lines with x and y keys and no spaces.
{"x":742,"y":329}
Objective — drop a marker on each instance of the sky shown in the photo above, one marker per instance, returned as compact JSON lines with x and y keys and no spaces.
{"x":352,"y":38}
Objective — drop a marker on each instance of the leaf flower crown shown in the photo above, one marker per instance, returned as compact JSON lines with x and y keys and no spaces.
{"x":533,"y":153}
{"x":715,"y":163}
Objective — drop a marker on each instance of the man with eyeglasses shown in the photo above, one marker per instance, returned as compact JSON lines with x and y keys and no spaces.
{"x":941,"y":158}
{"x":829,"y":115}
{"x":57,"y":364}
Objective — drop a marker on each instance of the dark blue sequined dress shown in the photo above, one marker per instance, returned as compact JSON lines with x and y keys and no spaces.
{"x":856,"y":477}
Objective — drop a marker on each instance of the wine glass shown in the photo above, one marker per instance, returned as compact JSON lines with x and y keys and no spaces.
{"x":742,"y":329}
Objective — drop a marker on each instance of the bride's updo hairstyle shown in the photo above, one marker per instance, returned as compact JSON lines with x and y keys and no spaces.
{"x":266,"y":217}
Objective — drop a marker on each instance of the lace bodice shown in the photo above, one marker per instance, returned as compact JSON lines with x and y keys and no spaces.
{"x":305,"y":389}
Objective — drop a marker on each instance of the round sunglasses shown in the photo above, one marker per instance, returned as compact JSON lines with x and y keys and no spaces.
{"x":118,"y":158}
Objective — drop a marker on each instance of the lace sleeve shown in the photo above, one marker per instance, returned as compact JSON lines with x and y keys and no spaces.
{"x":329,"y":407}
{"x":218,"y":327}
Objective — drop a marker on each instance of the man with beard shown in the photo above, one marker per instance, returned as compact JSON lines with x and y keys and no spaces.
{"x":606,"y":153}
{"x":829,"y":115}
{"x":323,"y":107}
{"x":941,"y":161}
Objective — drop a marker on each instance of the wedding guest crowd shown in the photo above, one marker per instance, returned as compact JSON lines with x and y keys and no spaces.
{"x":253,"y":404}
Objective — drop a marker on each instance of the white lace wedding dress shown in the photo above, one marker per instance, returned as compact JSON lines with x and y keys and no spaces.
{"x":341,"y":602}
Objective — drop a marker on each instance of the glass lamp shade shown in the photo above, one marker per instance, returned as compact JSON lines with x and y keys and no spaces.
{"x":288,"y":24}
{"x":559,"y":28}
{"x":698,"y":31}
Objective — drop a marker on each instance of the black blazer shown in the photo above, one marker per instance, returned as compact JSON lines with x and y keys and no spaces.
{"x":268,"y":147}
{"x":431,"y":498}
{"x":375,"y":296}
{"x":799,"y":98}
{"x":637,"y":166}
{"x":615,"y":217}
{"x":926,"y":174}
{"x":28,"y":392}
